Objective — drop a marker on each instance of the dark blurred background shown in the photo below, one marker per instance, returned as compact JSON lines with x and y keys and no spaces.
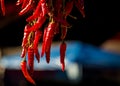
{"x":100,"y":24}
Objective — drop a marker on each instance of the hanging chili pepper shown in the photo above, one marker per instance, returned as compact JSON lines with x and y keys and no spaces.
{"x":62,"y":54}
{"x":26,"y":8}
{"x":36,"y":13}
{"x":23,"y":65}
{"x":43,"y":43}
{"x":31,"y":51}
{"x":25,"y":40}
{"x":38,"y":35}
{"x":47,"y":53}
{"x":31,"y":59}
{"x":49,"y":37}
{"x":25,"y":37}
{"x":49,"y":33}
{"x":3,"y":7}
{"x":47,"y":50}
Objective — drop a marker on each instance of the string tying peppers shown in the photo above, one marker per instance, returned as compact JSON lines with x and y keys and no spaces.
{"x":48,"y":18}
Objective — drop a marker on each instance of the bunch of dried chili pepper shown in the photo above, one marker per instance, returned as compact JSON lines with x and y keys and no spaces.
{"x":56,"y":12}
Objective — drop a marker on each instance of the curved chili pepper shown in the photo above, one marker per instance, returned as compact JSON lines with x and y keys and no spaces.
{"x":23,"y":65}
{"x":62,"y":54}
{"x":26,"y":33}
{"x":48,"y":38}
{"x":3,"y":7}
{"x":49,"y":33}
{"x":36,"y":13}
{"x":26,"y":8}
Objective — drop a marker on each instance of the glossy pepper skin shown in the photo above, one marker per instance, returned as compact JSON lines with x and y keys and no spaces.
{"x":43,"y":43}
{"x":23,"y":66}
{"x":63,"y":47}
{"x":38,"y":35}
{"x":25,"y":40}
{"x":31,"y":59}
{"x":37,"y":13}
{"x":26,"y":8}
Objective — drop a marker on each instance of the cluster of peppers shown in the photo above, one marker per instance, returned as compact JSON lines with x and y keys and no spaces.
{"x":56,"y":11}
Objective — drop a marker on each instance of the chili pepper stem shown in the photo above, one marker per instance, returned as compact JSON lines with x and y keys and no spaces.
{"x":72,"y":16}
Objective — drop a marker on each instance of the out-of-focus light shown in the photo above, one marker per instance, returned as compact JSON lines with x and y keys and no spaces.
{"x":74,"y":72}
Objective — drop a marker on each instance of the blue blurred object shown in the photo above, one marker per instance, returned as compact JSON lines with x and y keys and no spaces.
{"x":77,"y":52}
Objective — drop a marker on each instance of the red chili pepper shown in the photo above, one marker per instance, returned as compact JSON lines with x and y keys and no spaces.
{"x":23,"y":65}
{"x":48,"y":54}
{"x":3,"y":7}
{"x":62,"y":54}
{"x":47,"y":50}
{"x":49,"y":33}
{"x":36,"y":13}
{"x":43,"y":43}
{"x":48,"y":39}
{"x":38,"y":35}
{"x":26,"y":34}
{"x":31,"y":59}
{"x":27,"y":8}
